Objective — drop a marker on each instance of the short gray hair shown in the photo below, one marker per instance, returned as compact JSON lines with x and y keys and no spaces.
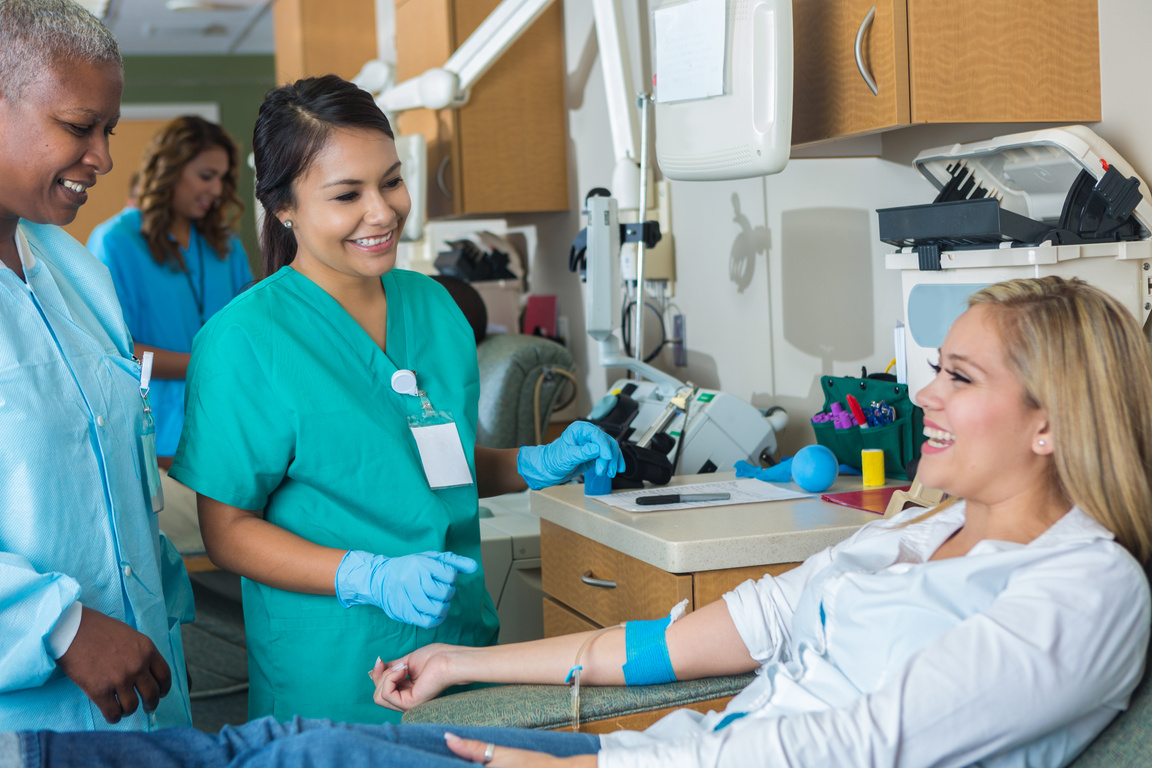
{"x":41,"y":35}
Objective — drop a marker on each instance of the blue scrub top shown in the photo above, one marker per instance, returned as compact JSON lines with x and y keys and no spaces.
{"x":165,"y":308}
{"x":291,"y":411}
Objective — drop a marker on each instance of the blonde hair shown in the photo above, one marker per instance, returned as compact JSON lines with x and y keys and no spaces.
{"x":170,"y":150}
{"x":1082,"y":357}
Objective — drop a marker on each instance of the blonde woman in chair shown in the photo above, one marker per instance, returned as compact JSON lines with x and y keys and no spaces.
{"x":1006,"y":627}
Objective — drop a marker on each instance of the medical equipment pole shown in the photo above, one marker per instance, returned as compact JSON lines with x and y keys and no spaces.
{"x":642,"y":102}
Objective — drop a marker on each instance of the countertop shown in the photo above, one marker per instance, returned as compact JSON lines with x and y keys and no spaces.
{"x":708,"y":538}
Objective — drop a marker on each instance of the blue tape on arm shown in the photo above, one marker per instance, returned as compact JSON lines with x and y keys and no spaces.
{"x":646,"y":649}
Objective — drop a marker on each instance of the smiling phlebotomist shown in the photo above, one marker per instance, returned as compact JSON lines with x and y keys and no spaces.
{"x":331,"y":425}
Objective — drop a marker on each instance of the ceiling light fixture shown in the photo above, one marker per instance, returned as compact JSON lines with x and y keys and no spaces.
{"x":211,"y":5}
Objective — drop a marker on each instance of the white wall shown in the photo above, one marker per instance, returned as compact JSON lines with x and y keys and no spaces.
{"x":781,"y":278}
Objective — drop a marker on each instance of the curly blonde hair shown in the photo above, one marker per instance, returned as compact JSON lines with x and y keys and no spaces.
{"x":171,"y":149}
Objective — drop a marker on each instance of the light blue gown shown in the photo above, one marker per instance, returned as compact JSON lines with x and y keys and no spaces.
{"x":76,"y":520}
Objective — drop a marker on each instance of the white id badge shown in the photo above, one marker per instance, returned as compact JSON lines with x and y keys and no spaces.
{"x":441,"y":452}
{"x":148,"y":439}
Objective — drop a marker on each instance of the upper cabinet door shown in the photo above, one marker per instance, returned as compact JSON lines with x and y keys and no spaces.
{"x":839,"y":45}
{"x":942,"y":61}
{"x":993,"y":61}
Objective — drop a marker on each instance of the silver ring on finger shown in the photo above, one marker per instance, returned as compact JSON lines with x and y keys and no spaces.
{"x":488,"y":752}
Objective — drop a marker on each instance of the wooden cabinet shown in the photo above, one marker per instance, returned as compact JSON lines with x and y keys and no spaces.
{"x":506,"y":150}
{"x":589,"y":585}
{"x":940,"y":61}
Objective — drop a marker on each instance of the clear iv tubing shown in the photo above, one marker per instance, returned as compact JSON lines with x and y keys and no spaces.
{"x":574,"y":673}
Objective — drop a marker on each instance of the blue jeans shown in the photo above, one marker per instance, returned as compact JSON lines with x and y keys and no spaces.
{"x":265,"y":742}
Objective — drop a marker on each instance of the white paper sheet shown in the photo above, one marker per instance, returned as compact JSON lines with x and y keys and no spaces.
{"x":690,"y":50}
{"x":742,"y":490}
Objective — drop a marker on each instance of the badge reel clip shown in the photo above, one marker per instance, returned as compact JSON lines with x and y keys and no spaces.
{"x":437,"y":438}
{"x":148,"y":438}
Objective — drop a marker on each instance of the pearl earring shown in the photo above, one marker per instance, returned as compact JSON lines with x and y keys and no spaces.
{"x":1041,"y":442}
{"x":287,"y":223}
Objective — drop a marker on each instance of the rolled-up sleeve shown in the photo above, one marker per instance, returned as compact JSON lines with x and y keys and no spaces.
{"x":31,"y":604}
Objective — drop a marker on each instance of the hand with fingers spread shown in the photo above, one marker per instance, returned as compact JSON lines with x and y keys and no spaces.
{"x":415,"y":589}
{"x":116,"y":666}
{"x":486,"y":753}
{"x":581,"y":447}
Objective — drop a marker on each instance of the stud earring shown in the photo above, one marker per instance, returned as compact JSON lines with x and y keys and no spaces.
{"x":287,"y":223}
{"x":1042,"y":442}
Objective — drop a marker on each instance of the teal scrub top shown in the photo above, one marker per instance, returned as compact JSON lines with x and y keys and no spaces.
{"x":290,"y":410}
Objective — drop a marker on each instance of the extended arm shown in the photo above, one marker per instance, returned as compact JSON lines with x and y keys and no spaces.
{"x":580,"y":448}
{"x":702,"y":644}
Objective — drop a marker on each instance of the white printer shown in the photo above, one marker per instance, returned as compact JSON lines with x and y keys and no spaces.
{"x":510,"y":549}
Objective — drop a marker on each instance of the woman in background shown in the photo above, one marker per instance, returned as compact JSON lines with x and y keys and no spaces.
{"x":175,"y":258}
{"x":175,"y":262}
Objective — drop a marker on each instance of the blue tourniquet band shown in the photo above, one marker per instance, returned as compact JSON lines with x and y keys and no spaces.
{"x":646,"y":650}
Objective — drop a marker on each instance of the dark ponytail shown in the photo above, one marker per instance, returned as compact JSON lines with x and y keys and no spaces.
{"x":294,"y":124}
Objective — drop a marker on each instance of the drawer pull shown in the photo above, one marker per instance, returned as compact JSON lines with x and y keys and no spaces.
{"x":588,"y":579}
{"x":859,"y":50}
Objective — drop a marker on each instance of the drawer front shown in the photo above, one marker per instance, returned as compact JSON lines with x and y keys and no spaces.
{"x":573,"y":566}
{"x":562,"y":620}
{"x":710,"y":586}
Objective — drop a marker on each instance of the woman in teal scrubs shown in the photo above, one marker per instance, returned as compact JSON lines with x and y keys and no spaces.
{"x":306,"y":398}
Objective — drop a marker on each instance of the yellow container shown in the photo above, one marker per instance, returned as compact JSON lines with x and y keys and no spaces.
{"x":872,"y":466}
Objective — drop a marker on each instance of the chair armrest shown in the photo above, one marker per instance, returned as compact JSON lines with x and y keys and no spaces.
{"x":550,"y":706}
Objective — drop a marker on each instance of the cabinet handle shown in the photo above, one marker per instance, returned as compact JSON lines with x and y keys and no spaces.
{"x":440,"y":175}
{"x":864,"y":25}
{"x":587,"y":578}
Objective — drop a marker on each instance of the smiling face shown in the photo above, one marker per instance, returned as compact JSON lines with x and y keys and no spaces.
{"x":349,"y":208}
{"x":983,"y":438}
{"x":54,"y":142}
{"x":201,"y":184}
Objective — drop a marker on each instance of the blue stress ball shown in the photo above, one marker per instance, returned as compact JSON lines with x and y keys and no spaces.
{"x":814,"y":468}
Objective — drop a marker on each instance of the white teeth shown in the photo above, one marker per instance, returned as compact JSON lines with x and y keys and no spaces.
{"x":368,"y":242}
{"x":938,"y":438}
{"x":74,"y":186}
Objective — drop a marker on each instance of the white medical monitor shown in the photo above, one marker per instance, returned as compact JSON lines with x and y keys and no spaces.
{"x":723,"y":87}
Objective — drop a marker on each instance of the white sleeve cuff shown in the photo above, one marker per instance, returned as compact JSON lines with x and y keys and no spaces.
{"x":60,"y":640}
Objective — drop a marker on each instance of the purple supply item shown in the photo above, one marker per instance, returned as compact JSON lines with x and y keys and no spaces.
{"x":841,"y":418}
{"x":821,"y":417}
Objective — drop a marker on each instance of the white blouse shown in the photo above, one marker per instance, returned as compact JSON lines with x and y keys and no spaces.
{"x":872,"y":655}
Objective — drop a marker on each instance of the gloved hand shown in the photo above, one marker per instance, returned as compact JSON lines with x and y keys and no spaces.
{"x":414,"y":589}
{"x":581,"y":447}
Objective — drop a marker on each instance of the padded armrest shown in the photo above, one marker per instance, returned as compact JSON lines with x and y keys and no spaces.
{"x":510,"y":367}
{"x":549,"y":707}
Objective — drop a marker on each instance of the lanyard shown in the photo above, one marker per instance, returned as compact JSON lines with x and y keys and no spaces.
{"x":194,"y":242}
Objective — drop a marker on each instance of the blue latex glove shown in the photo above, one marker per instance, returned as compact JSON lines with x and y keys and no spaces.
{"x":581,"y":447}
{"x":414,"y":589}
{"x":780,"y":473}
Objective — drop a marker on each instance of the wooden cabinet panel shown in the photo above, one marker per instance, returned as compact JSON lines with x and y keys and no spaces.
{"x":642,"y":591}
{"x":710,"y":586}
{"x":939,"y":61}
{"x":829,"y":95}
{"x":506,"y":150}
{"x":1019,"y":61}
{"x":561,"y":620}
{"x":318,"y":37}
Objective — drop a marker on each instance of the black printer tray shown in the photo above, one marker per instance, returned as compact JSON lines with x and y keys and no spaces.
{"x":958,"y":224}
